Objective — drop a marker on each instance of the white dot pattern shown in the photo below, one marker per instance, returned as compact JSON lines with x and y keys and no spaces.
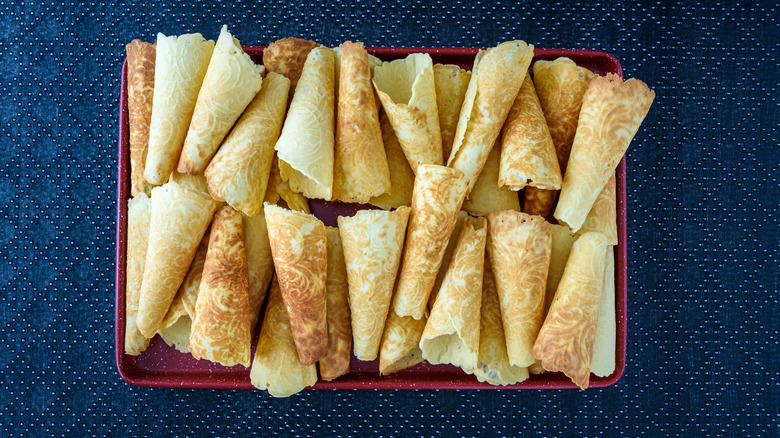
{"x":702,"y":211}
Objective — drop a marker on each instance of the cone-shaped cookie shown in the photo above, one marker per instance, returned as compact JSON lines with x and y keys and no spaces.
{"x":565,"y":342}
{"x":562,"y":241}
{"x":539,"y":201}
{"x":360,"y":171}
{"x":493,"y":365}
{"x":401,"y":175}
{"x":560,"y":85}
{"x":286,"y":57}
{"x":335,"y":362}
{"x":611,"y":113}
{"x":140,"y":91}
{"x":495,"y":80}
{"x":407,"y":90}
{"x":231,"y":81}
{"x":373,"y":62}
{"x":305,"y":147}
{"x":603,"y":362}
{"x":240,"y":170}
{"x":400,"y":343}
{"x":527,"y":150}
{"x":138,"y":217}
{"x":373,"y":240}
{"x":602,"y":217}
{"x":300,"y":253}
{"x":487,"y":197}
{"x":519,"y":246}
{"x":452,"y":332}
{"x":259,"y":262}
{"x":221,"y":329}
{"x":179,"y":219}
{"x":436,"y":201}
{"x":179,"y":68}
{"x":276,"y":367}
{"x":445,"y":261}
{"x":175,"y":328}
{"x":451,"y":84}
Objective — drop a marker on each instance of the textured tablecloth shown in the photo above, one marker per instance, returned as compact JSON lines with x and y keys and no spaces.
{"x":703,"y":223}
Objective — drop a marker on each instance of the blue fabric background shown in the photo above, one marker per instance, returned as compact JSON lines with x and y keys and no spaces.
{"x":703,"y":222}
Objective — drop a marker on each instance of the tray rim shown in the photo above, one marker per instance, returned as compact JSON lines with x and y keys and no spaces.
{"x":384,"y":382}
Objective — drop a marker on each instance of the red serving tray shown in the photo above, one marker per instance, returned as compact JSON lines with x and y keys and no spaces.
{"x":163,"y":366}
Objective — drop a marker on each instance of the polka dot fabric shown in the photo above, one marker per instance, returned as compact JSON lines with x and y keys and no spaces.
{"x":702,"y":200}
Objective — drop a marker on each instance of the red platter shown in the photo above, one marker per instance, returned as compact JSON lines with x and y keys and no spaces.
{"x":163,"y":366}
